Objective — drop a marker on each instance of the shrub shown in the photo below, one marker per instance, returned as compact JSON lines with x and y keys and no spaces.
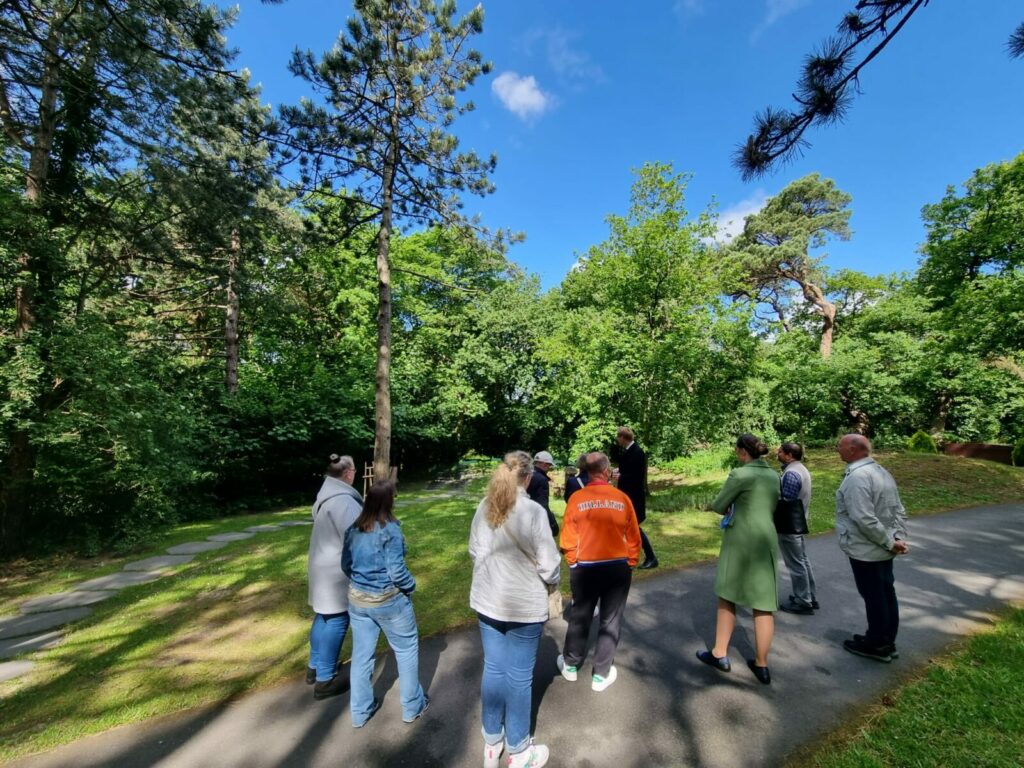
{"x":922,"y":442}
{"x":1018,"y":453}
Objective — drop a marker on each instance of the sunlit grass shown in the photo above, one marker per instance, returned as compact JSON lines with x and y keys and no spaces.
{"x":966,"y":709}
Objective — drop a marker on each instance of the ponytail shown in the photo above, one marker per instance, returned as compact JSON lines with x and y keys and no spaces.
{"x":503,"y":489}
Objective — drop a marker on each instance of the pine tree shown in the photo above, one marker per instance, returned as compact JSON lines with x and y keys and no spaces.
{"x":387,"y":96}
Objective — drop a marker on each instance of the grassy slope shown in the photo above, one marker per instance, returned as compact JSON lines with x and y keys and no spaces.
{"x":236,"y":618}
{"x":966,"y":709}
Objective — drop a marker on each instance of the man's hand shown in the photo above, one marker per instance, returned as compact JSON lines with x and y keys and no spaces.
{"x":900,"y":547}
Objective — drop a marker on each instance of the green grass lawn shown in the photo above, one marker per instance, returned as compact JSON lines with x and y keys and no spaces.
{"x":965,"y":710}
{"x":236,"y":618}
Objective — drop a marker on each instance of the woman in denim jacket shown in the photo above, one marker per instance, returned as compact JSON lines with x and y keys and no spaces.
{"x":379,"y":588}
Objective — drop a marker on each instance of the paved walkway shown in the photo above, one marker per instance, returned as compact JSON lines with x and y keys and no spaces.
{"x":42,"y":620}
{"x":666,"y":708}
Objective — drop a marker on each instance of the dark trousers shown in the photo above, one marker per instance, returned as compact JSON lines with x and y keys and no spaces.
{"x":646,"y":543}
{"x":593,"y":585}
{"x":875,"y":583}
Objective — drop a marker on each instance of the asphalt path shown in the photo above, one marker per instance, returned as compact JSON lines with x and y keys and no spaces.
{"x":666,"y":709}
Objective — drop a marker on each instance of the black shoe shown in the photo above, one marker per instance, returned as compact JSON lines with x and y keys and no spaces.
{"x":334,"y":686}
{"x":761,"y":673}
{"x":799,"y":608}
{"x":310,"y":675}
{"x":891,"y":648}
{"x":720,"y":663}
{"x":814,"y":605}
{"x":860,"y":648}
{"x":651,"y":562}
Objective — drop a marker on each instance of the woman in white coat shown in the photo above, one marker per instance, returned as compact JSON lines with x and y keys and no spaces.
{"x":337,"y":506}
{"x":514,"y":562}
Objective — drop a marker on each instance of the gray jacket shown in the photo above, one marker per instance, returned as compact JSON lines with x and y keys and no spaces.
{"x":337,"y":506}
{"x":869,"y":513}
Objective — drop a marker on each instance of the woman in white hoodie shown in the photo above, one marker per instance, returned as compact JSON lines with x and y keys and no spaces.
{"x":514,"y":561}
{"x":337,"y":506}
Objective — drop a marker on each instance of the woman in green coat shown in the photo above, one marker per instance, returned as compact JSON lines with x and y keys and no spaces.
{"x":747,"y":568}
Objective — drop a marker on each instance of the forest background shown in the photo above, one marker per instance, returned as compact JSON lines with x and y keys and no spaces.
{"x":192,"y":286}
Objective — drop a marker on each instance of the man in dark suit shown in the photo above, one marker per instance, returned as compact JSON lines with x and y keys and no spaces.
{"x":539,"y":488}
{"x":633,"y":482}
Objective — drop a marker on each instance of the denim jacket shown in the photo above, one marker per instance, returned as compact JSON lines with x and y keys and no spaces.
{"x":375,"y":561}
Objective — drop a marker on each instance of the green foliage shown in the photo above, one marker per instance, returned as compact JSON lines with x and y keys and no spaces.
{"x":922,"y":442}
{"x":1018,"y":453}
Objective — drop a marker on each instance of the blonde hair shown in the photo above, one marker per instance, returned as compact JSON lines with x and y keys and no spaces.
{"x":503,"y":489}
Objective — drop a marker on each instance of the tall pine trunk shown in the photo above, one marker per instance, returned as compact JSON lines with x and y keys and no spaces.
{"x":20,"y":462}
{"x":231,"y":317}
{"x":382,"y":431}
{"x":827,"y":309}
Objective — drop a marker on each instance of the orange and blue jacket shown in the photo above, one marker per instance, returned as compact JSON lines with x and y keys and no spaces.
{"x":600,"y":527}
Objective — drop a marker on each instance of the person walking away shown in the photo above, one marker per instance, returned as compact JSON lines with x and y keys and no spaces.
{"x":601,"y":541}
{"x":580,"y":479}
{"x":379,"y":599}
{"x":796,"y":484}
{"x":539,"y":488}
{"x":633,"y":482}
{"x":871,"y":525}
{"x":337,"y":506}
{"x":747,"y":563}
{"x":515,"y":561}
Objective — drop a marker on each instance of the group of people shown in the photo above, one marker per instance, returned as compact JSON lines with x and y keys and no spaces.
{"x":358,"y":573}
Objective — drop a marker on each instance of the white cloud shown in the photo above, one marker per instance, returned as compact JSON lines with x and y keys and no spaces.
{"x":521,"y":95}
{"x":776,"y":10}
{"x":732,"y":219}
{"x":571,"y":64}
{"x":685,"y":8}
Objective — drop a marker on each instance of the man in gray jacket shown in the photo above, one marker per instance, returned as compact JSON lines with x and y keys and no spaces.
{"x":337,"y":506}
{"x":871,"y":526}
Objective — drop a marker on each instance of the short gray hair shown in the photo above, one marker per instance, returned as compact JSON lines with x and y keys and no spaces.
{"x":339,"y":465}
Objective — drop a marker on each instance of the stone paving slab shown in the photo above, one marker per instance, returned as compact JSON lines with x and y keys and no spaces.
{"x":63,"y":600}
{"x":19,"y":645}
{"x":118,"y":580}
{"x":262,"y":528}
{"x":159,"y":562}
{"x":12,"y":669}
{"x":291,"y":523}
{"x":230,"y":536}
{"x":195,"y":547}
{"x":34,"y":623}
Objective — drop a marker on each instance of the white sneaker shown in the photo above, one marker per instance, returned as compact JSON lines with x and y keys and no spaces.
{"x":492,"y":753}
{"x":534,"y":756}
{"x":599,"y":683}
{"x":568,"y":672}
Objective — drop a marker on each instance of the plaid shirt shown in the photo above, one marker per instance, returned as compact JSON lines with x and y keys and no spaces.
{"x":791,"y":485}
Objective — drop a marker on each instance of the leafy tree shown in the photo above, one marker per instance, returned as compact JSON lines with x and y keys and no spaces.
{"x":388,"y":91}
{"x":829,"y":82}
{"x":773,"y":252}
{"x":644,"y":338}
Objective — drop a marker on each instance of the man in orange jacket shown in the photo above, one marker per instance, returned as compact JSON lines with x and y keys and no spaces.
{"x":601,"y":541}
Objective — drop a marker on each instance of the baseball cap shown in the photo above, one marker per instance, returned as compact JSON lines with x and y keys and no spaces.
{"x":544,"y":456}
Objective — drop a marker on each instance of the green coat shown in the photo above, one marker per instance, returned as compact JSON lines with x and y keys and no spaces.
{"x":747,"y":563}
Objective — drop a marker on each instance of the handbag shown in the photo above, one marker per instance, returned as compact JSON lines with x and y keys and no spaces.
{"x":790,"y":519}
{"x":554,"y":593}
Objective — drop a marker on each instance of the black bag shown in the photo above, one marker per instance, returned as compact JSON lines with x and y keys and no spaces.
{"x":789,"y":517}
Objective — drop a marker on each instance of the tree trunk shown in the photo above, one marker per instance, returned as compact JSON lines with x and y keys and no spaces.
{"x":816,"y":296}
{"x":382,"y":432}
{"x":231,"y":317}
{"x":21,"y":458}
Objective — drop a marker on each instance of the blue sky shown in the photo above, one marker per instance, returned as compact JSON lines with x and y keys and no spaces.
{"x":581,"y":93}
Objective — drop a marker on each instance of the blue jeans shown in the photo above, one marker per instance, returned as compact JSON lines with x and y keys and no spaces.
{"x":506,"y":691}
{"x":398,"y":621}
{"x":325,"y":639}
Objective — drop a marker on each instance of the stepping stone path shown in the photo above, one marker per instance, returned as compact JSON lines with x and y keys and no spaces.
{"x":39,"y":624}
